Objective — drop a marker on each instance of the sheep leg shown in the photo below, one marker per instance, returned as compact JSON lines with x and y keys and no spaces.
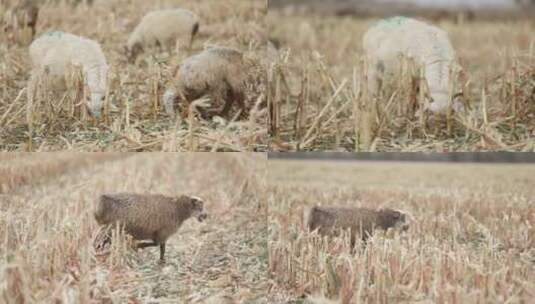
{"x":107,"y":239}
{"x":147,"y":244}
{"x":375,"y":72}
{"x":240,"y":99}
{"x":352,"y":240}
{"x":153,"y":244}
{"x":194,"y":32}
{"x":365,"y":236}
{"x":226,"y":108}
{"x":162,"y":252}
{"x":159,"y":45}
{"x":237,"y":97}
{"x":169,"y":102}
{"x":232,"y":97}
{"x":207,"y":114}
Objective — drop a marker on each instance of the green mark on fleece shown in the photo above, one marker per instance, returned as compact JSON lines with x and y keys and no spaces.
{"x":52,"y":33}
{"x":393,"y":21}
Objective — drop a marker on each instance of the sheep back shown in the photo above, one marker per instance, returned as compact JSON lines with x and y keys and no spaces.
{"x":143,"y":216}
{"x":212,"y":71}
{"x":164,"y":27}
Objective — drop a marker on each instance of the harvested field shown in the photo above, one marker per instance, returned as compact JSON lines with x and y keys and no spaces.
{"x":471,"y":241}
{"x":133,"y":118}
{"x":319,"y":100}
{"x":47,"y":230}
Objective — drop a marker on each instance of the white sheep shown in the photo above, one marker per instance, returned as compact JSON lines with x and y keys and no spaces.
{"x":53,"y":53}
{"x":218,"y":72}
{"x":427,"y":45}
{"x":162,"y":28}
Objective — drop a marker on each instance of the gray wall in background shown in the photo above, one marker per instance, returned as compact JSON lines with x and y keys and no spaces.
{"x":366,"y":8}
{"x":487,"y":157}
{"x":422,"y":3}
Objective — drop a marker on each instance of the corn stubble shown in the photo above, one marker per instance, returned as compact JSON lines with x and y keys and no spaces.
{"x":35,"y":119}
{"x":470,"y":241}
{"x":52,"y":249}
{"x":319,"y":100}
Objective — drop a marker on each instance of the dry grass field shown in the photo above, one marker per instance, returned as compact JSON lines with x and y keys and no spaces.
{"x":319,"y":102}
{"x":133,"y":118}
{"x":47,"y":229}
{"x":472,"y":239}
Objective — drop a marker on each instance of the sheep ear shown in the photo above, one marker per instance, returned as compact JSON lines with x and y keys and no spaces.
{"x":315,"y":209}
{"x":137,"y":48}
{"x":458,"y":97}
{"x":459,"y":102}
{"x":319,"y":212}
{"x":196,"y":201}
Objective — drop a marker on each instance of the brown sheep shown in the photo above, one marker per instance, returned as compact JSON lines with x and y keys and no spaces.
{"x":151,"y":217}
{"x":361,"y":221}
{"x":219,"y":72}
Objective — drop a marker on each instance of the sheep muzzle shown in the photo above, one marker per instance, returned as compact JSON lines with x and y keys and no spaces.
{"x":201,"y":217}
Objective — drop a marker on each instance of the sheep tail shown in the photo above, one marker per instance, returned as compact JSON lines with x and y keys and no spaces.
{"x":100,"y":211}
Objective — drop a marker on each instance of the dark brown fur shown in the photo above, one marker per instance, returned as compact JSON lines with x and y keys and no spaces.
{"x":361,"y":221}
{"x":194,"y":33}
{"x":217,"y":72}
{"x":133,"y":52}
{"x":151,"y":217}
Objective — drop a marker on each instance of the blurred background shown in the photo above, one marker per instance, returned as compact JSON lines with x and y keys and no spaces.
{"x":433,"y":9}
{"x":498,"y":157}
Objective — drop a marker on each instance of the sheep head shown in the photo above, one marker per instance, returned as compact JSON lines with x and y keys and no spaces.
{"x":95,"y":105}
{"x":197,"y":208}
{"x":441,"y":100}
{"x":132,"y":51}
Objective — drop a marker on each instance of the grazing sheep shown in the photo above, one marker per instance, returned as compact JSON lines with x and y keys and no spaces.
{"x":428,"y":45}
{"x":24,"y":15}
{"x":162,"y":28}
{"x":218,"y":72}
{"x":148,"y":216}
{"x":54,"y":53}
{"x":361,"y":221}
